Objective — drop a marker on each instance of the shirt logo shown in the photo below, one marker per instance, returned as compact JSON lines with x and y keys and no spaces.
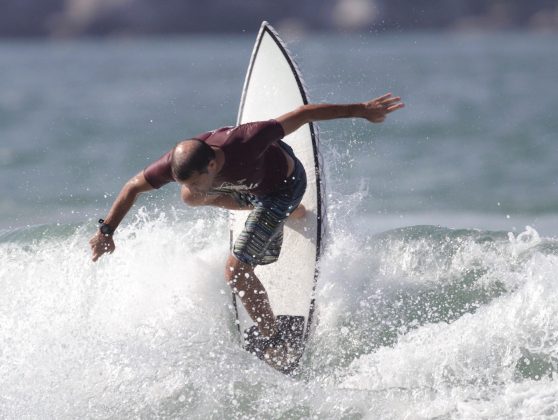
{"x":238,"y":186}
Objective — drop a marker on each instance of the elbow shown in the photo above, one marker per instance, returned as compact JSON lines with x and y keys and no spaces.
{"x":305,"y":113}
{"x":137,"y":185}
{"x":132,"y":188}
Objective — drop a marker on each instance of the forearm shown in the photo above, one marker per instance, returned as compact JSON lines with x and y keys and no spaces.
{"x":321,"y":112}
{"x":102,"y":243}
{"x":318,"y":112}
{"x":121,"y":206}
{"x":374,"y":111}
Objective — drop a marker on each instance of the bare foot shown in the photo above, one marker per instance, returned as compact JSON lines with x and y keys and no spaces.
{"x":298,"y":213}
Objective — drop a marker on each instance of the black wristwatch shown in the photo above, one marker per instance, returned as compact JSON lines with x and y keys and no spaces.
{"x":105,"y":229}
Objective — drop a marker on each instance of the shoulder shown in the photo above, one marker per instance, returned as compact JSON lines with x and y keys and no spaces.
{"x":159,"y":172}
{"x":268,"y":128}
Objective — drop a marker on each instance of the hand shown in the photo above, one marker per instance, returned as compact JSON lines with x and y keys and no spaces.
{"x":101,"y":244}
{"x":376,"y":110}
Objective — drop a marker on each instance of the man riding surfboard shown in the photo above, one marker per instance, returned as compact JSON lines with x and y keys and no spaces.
{"x":242,"y":167}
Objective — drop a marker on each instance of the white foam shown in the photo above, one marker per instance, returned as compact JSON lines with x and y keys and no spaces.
{"x":415,"y":322}
{"x":471,"y":367}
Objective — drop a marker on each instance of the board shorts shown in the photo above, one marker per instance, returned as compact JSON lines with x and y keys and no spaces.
{"x":260,"y":241}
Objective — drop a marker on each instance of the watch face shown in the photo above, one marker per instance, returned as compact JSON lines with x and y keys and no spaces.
{"x":106,"y":230}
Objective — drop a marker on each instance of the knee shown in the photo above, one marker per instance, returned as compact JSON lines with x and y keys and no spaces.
{"x":191,"y":198}
{"x":237,"y":271}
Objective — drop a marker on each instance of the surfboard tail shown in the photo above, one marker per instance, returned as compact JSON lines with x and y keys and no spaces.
{"x":283,"y":351}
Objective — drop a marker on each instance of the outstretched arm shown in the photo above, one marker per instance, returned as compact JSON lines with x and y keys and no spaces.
{"x":100,"y":243}
{"x":374,"y":111}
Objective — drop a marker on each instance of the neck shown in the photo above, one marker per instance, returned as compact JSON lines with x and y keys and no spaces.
{"x":219,"y":158}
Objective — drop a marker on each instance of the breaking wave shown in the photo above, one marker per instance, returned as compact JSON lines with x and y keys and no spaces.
{"x":422,"y":320}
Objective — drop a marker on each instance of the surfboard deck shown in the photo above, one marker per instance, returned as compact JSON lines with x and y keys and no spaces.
{"x":273,"y":86}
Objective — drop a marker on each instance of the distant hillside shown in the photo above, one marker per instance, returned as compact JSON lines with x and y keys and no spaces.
{"x":67,"y":18}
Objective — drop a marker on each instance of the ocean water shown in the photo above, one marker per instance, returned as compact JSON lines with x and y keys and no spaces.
{"x":437,"y":296}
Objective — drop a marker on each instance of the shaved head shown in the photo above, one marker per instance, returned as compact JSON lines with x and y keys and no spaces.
{"x":190,"y":156}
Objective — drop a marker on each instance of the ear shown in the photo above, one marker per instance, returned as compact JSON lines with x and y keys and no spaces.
{"x":212,"y":165}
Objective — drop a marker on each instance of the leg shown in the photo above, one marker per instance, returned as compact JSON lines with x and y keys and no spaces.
{"x":298,"y":213}
{"x":259,"y":243}
{"x":225,"y":201}
{"x":244,"y":283}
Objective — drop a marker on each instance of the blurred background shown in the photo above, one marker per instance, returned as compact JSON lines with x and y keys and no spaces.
{"x":70,"y":18}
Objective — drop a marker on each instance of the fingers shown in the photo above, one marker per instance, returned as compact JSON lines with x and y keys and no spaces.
{"x":101,"y":248}
{"x":388,"y":103}
{"x":395,"y":107}
{"x":391,"y":100}
{"x":383,"y":97}
{"x":97,"y":253}
{"x":391,"y":103}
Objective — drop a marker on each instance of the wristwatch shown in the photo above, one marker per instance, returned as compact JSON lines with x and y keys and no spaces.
{"x":105,"y":229}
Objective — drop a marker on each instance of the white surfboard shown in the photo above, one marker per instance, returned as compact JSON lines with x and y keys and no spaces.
{"x":273,"y":87}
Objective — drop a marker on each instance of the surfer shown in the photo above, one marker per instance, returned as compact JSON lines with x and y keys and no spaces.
{"x":242,"y":167}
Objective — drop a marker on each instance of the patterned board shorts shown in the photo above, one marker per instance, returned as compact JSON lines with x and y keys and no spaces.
{"x":260,"y":241}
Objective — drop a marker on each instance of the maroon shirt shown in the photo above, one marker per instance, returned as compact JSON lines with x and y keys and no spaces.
{"x":254,"y":161}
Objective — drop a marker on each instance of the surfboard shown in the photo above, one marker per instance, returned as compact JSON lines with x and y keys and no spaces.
{"x":274,"y":86}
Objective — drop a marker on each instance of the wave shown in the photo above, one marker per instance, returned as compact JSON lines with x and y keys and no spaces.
{"x":421,"y":320}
